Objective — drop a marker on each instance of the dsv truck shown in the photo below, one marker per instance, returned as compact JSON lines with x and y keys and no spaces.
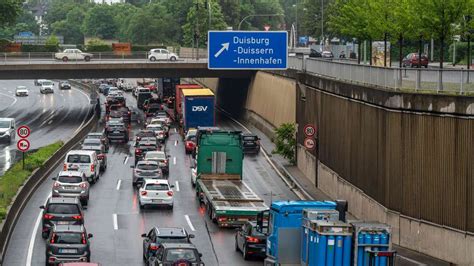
{"x":228,"y":200}
{"x":198,"y":106}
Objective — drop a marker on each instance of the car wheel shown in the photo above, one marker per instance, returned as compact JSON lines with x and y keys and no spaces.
{"x":87,"y":58}
{"x":44,"y":235}
{"x":153,"y":59}
{"x":172,"y":58}
{"x":426,"y":66}
{"x":141,"y":205}
{"x":236,"y":245}
{"x":85,"y":202}
{"x":65,"y":59}
{"x":244,"y":253}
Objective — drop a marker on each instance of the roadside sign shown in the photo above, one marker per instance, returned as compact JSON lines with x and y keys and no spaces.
{"x":23,"y":132}
{"x":309,"y":130}
{"x":309,"y":143}
{"x":23,"y":145}
{"x":247,"y":50}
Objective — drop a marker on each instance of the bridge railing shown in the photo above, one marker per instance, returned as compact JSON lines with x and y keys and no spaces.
{"x":97,"y":57}
{"x":457,"y":81}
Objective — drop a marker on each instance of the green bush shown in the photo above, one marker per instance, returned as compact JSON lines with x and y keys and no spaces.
{"x":99,"y":48}
{"x":461,"y":52}
{"x":285,"y":141}
{"x":15,"y":177}
{"x":145,"y":48}
{"x":39,"y":48}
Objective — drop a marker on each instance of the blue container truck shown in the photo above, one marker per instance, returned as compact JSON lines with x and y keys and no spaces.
{"x":198,"y":108}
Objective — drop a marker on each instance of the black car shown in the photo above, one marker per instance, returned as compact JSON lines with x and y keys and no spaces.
{"x":250,"y":241}
{"x":315,"y":54}
{"x":101,"y":136}
{"x":141,"y":98}
{"x":68,"y":243}
{"x":157,"y":236}
{"x":116,"y":130}
{"x":171,"y":254}
{"x":145,"y":134}
{"x":104,"y":88}
{"x":119,"y":111}
{"x":61,"y":211}
{"x":64,"y":85}
{"x":251,"y":143}
{"x":152,"y":108}
{"x":143,"y":146}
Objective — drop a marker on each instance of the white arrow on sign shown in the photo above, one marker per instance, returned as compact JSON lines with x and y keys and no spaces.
{"x":225,"y":46}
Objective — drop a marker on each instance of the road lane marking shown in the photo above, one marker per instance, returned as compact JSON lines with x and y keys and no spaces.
{"x":177,"y":186}
{"x":119,"y":183}
{"x":114,"y":217}
{"x":175,"y":130}
{"x":31,"y":245}
{"x":189,"y":222}
{"x":50,"y":121}
{"x":126,"y":160}
{"x":14,"y":99}
{"x":176,"y":143}
{"x":174,"y":160}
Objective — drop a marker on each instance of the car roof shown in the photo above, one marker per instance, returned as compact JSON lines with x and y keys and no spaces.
{"x":65,"y":200}
{"x":95,"y":134}
{"x":147,"y":162}
{"x":171,"y":231}
{"x":249,"y":135}
{"x":7,"y":119}
{"x":147,"y":141}
{"x":93,"y":140}
{"x":70,"y":173}
{"x":155,"y":152}
{"x":79,"y":264}
{"x":80,"y":152}
{"x":156,"y":181}
{"x":69,"y":228}
{"x":178,"y":245}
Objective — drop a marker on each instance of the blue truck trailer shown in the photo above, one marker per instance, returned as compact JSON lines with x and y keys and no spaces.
{"x":198,"y":108}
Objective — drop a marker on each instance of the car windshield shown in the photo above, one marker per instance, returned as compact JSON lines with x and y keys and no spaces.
{"x":173,"y":255}
{"x":157,"y":187}
{"x":21,"y":88}
{"x":191,"y":138}
{"x":155,"y":127}
{"x":94,"y":137}
{"x":68,"y":238}
{"x":155,"y":155}
{"x":70,"y":179}
{"x":47,"y":83}
{"x":76,"y":158}
{"x":250,"y":138}
{"x":92,"y":142}
{"x":148,"y":147}
{"x":61,"y":208}
{"x":4,"y":124}
{"x":147,"y":166}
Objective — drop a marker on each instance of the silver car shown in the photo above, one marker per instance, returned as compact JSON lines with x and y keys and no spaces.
{"x":71,"y":184}
{"x":145,"y":170}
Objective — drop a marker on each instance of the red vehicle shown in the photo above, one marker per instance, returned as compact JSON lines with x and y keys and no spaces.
{"x":177,"y":103}
{"x":190,"y":141}
{"x":411,"y":60}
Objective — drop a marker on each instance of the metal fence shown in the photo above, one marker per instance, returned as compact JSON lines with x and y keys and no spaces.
{"x":457,"y":81}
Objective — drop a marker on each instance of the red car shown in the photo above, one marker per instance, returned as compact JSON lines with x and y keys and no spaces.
{"x":190,"y":142}
{"x":411,"y":60}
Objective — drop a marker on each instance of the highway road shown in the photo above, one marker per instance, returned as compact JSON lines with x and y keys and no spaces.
{"x":117,"y":222}
{"x":51,"y":117}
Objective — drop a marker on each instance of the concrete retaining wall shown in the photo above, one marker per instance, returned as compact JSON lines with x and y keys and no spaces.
{"x":273,"y":98}
{"x":442,"y":243}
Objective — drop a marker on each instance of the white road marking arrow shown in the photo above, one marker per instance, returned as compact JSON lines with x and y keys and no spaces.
{"x":225,"y":46}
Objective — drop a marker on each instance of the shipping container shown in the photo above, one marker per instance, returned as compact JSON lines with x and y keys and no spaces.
{"x":179,"y":96}
{"x":198,"y":108}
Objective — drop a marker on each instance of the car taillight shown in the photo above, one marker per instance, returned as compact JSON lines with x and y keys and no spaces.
{"x":84,"y":241}
{"x":48,"y":216}
{"x":222,"y":219}
{"x":138,"y":151}
{"x":64,"y":167}
{"x":92,"y":167}
{"x":77,"y":217}
{"x":170,"y":193}
{"x":83,"y":185}
{"x":143,"y":193}
{"x":153,"y":247}
{"x":252,"y":239}
{"x":101,"y":156}
{"x":56,"y":184}
{"x":52,"y":242}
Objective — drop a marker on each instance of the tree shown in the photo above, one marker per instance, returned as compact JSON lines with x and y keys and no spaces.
{"x":9,"y":11}
{"x":267,"y":7}
{"x":285,"y":141}
{"x":310,"y":17}
{"x":24,"y":22}
{"x":439,"y":17}
{"x":52,"y":41}
{"x":197,"y":22}
{"x":70,"y":28}
{"x":99,"y":22}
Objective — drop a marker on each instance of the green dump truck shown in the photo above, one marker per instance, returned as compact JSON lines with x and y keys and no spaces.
{"x":228,"y":200}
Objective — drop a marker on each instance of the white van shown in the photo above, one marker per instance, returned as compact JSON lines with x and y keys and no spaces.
{"x":7,"y":129}
{"x":84,"y":161}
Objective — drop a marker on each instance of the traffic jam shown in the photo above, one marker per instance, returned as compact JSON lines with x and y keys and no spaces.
{"x":299,"y":231}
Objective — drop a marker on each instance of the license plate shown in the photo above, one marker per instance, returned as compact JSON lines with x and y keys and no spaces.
{"x":116,"y":132}
{"x":70,"y":188}
{"x":62,"y":222}
{"x":156,"y":201}
{"x":67,"y":250}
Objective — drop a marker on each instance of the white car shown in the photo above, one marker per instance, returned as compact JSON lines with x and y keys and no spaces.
{"x":84,"y":161}
{"x":156,"y":192}
{"x":21,"y":91}
{"x":47,"y":86}
{"x":73,"y":54}
{"x":140,"y":89}
{"x":193,"y":176}
{"x":114,"y":90}
{"x":7,"y":129}
{"x":161,"y":54}
{"x":160,"y":131}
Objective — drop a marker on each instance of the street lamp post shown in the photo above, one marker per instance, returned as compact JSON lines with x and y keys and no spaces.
{"x":258,"y":15}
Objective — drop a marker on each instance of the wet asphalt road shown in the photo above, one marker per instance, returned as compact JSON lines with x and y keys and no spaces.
{"x":113,"y":196}
{"x":51,"y":117}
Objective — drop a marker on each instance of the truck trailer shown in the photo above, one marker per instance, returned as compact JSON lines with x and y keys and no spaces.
{"x":198,"y":108}
{"x":228,"y":200}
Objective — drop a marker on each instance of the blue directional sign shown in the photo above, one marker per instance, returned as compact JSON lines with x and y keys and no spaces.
{"x":247,"y":50}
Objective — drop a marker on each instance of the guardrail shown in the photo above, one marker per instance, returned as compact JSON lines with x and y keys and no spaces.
{"x":99,"y":57}
{"x":457,"y":81}
{"x":36,"y":179}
